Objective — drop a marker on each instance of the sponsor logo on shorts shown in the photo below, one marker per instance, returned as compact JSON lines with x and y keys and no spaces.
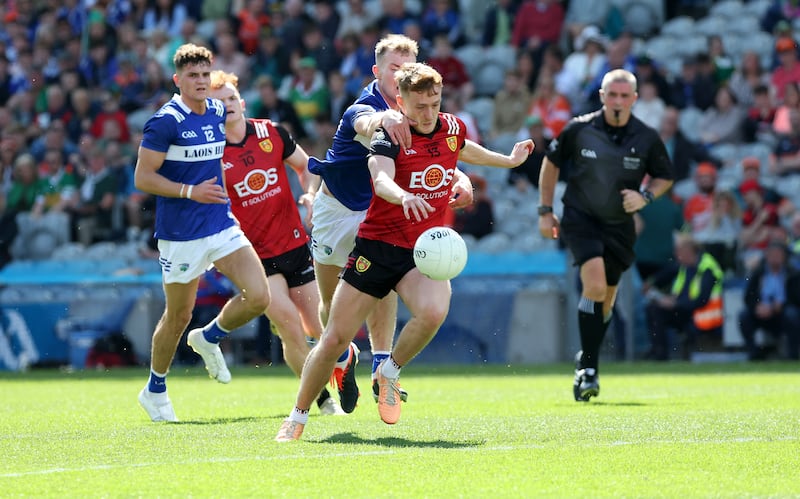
{"x":183,"y":267}
{"x":362,"y":264}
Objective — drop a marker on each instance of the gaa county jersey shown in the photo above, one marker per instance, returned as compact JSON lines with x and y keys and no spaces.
{"x":344,"y":169}
{"x":193,"y":145}
{"x":259,"y":190}
{"x":425,"y":170}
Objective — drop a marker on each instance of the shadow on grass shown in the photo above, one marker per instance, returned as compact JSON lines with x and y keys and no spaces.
{"x":225,"y":421}
{"x":618,"y":404}
{"x":352,"y":438}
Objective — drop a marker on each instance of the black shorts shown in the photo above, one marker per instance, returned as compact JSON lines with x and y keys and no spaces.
{"x":587,"y":237}
{"x":375,"y":267}
{"x":295,"y":265}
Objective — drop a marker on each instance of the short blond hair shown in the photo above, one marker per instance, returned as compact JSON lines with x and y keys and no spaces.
{"x":395,"y":43}
{"x":220,"y":78}
{"x":418,"y":77}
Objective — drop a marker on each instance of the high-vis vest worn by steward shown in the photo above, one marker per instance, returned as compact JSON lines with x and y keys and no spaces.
{"x":709,"y":316}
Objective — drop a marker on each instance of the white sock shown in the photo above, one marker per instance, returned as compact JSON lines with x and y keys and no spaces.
{"x":390,"y":368}
{"x":299,"y":416}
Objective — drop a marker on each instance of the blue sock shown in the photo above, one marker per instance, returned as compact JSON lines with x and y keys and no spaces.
{"x":377,"y":358}
{"x":213,"y":333}
{"x":157,"y":383}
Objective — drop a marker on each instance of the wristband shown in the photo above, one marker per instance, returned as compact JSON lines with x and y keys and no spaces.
{"x":189,"y":192}
{"x":647,"y":195}
{"x":544,"y":210}
{"x":183,"y":186}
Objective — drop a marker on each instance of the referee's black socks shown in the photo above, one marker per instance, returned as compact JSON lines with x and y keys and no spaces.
{"x":592,"y":325}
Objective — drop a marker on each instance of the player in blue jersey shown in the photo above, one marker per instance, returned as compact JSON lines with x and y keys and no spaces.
{"x":180,"y":163}
{"x":345,"y":193}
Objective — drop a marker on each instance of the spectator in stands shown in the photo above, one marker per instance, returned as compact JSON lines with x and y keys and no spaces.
{"x":510,"y":108}
{"x":413,"y":30}
{"x":722,"y":123}
{"x":751,"y":170}
{"x":697,"y":209}
{"x":83,"y":114}
{"x":454,"y":72}
{"x":269,"y":105}
{"x":692,"y":88}
{"x":649,"y":107}
{"x":683,"y":152}
{"x":760,"y":118}
{"x":99,"y":66}
{"x":110,"y":111}
{"x":308,"y":93}
{"x":771,"y":301}
{"x":316,"y":46}
{"x":253,"y":20}
{"x":527,"y":174}
{"x":786,"y":157}
{"x":59,"y":183}
{"x":56,"y":107}
{"x":441,"y":17}
{"x":584,"y":64}
{"x":269,"y":59}
{"x":295,"y":19}
{"x":760,"y":223}
{"x":454,"y":105}
{"x":354,"y":18}
{"x":647,"y":70}
{"x":55,"y":137}
{"x":476,"y":219}
{"x":394,"y":17}
{"x":229,"y":58}
{"x":498,"y":23}
{"x":582,"y":14}
{"x":747,"y":77}
{"x":552,"y":107}
{"x":327,"y":19}
{"x":789,"y":68}
{"x":720,"y":59}
{"x":338,"y":97}
{"x":685,"y":297}
{"x":165,"y":15}
{"x":528,"y":69}
{"x":781,"y":124}
{"x":538,"y":23}
{"x":657,"y":224}
{"x":92,"y":213}
{"x":720,"y":235}
{"x":25,"y":192}
{"x":793,"y":239}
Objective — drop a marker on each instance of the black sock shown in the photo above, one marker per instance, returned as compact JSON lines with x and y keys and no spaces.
{"x":592,"y":327}
{"x":323,"y":396}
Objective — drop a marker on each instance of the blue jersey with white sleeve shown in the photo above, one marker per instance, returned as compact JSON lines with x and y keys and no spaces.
{"x":193,"y":145}
{"x":344,"y":169}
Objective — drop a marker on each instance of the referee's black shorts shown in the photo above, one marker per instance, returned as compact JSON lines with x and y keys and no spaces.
{"x":587,"y":237}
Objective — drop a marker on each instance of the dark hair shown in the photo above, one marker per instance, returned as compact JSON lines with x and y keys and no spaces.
{"x":189,"y":53}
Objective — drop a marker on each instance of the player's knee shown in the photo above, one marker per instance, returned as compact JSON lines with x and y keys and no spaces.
{"x":595,"y":290}
{"x":256,"y":300}
{"x":432,"y":315}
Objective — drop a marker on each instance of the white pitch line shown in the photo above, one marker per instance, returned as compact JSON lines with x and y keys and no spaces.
{"x":499,"y":448}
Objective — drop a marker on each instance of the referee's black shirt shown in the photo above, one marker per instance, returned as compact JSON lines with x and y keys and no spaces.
{"x":603,"y":160}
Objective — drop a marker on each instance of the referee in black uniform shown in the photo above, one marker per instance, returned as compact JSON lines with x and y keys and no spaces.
{"x":609,"y":153}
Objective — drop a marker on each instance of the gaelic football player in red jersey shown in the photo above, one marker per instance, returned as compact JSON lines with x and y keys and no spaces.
{"x":262,"y":201}
{"x":412,"y":189}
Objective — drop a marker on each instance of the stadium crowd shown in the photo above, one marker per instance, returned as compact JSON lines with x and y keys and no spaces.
{"x":78,"y":79}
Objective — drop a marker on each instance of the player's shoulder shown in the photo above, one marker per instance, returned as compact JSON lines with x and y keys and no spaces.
{"x":171,"y":111}
{"x":452,"y":124}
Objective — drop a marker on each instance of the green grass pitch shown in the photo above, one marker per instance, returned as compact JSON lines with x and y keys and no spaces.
{"x":671,"y":430}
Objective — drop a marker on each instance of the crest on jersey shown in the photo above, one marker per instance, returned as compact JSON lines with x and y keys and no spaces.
{"x":362,"y":264}
{"x":452,"y":143}
{"x":265,"y":145}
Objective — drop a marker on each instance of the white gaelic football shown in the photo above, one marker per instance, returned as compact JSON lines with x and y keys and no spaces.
{"x":440,"y":253}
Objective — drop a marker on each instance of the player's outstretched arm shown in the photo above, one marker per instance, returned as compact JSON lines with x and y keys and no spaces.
{"x":475,"y":154}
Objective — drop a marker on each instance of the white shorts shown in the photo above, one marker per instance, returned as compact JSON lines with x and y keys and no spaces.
{"x":183,"y":261}
{"x":334,"y":229}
